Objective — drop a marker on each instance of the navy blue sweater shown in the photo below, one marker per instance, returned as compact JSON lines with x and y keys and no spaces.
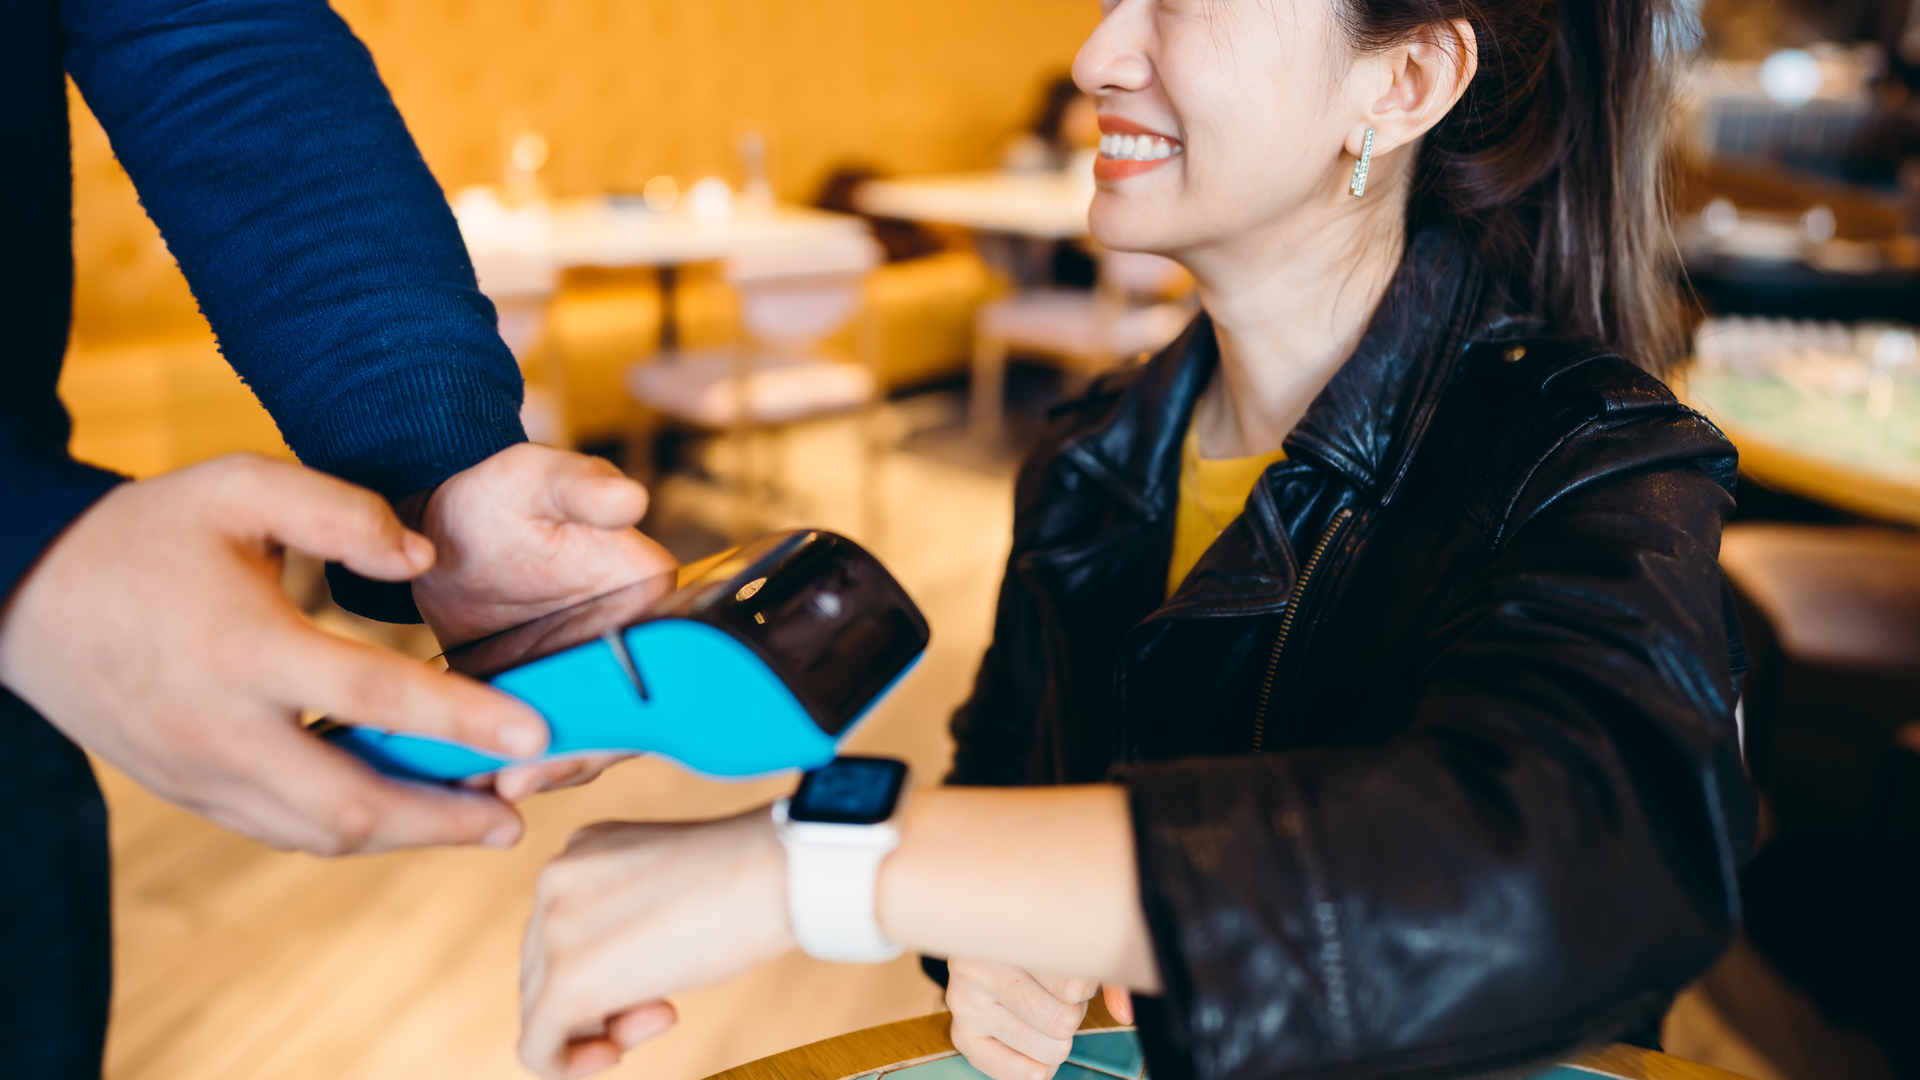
{"x":319,"y":246}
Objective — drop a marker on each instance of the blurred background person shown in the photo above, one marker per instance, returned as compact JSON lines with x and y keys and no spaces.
{"x":1063,"y":135}
{"x":1065,"y":126}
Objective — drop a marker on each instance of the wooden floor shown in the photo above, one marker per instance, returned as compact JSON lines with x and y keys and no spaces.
{"x":237,"y":963}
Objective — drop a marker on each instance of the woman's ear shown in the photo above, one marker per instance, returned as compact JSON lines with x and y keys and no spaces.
{"x":1425,"y":78}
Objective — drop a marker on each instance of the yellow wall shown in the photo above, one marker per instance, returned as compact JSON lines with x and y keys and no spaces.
{"x":629,"y":89}
{"x":624,"y":90}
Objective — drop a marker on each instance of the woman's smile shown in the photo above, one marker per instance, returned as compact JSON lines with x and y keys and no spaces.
{"x":1129,"y":149}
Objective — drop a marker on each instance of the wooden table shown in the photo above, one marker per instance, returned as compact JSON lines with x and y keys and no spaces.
{"x":919,"y":1049}
{"x":1837,"y":450}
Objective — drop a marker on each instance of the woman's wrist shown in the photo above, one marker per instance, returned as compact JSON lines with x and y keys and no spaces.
{"x":763,"y":870}
{"x":1043,"y":878}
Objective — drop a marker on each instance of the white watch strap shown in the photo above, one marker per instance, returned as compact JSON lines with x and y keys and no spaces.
{"x":833,"y":877}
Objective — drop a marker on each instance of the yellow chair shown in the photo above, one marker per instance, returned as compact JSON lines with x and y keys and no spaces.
{"x":779,"y":370}
{"x":1137,"y":307}
{"x":920,"y":314}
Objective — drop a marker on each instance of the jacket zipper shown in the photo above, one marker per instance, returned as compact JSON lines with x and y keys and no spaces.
{"x":1286,"y":622}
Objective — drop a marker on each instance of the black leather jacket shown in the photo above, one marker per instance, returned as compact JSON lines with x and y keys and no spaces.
{"x":1432,"y":758}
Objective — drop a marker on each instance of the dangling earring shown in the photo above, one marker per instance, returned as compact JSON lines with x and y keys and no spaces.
{"x":1359,"y":185}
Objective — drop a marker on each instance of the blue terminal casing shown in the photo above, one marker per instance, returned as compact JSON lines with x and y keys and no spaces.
{"x":761,"y":664}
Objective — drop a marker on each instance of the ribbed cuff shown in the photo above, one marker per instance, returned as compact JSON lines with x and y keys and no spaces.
{"x":402,"y":433}
{"x":41,"y":497}
{"x":413,"y":427}
{"x":382,"y":601}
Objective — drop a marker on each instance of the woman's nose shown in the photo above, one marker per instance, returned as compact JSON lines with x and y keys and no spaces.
{"x":1114,"y":59}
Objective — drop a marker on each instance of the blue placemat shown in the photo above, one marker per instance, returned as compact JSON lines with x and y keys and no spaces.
{"x":1114,"y":1055}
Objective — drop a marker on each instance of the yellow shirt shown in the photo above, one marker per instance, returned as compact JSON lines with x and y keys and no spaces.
{"x":1212,"y":494}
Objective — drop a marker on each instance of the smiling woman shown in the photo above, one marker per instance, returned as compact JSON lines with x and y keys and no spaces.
{"x":1362,"y":681}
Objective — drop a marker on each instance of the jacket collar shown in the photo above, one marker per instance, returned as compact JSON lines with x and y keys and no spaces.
{"x":1134,"y":450}
{"x":1360,"y":424}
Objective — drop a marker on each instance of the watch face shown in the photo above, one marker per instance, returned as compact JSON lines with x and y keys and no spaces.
{"x":849,"y":791}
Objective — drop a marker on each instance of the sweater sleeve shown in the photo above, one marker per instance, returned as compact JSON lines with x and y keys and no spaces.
{"x":42,"y":488}
{"x":317,"y":243}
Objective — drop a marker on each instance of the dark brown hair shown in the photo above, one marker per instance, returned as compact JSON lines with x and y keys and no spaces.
{"x":1555,"y":162}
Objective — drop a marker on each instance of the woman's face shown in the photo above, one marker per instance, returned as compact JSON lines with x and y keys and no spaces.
{"x":1225,"y":119}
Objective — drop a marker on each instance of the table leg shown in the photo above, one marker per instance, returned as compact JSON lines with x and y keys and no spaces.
{"x":669,"y":316}
{"x":987,"y":406}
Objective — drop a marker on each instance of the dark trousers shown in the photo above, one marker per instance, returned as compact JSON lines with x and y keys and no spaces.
{"x":56,"y":928}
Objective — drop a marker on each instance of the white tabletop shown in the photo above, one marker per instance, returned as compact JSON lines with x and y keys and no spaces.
{"x":1051,"y":206}
{"x":603,"y":234}
{"x":523,"y":250}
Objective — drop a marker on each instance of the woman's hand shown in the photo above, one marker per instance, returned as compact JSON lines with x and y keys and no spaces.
{"x":631,"y":913}
{"x":1012,"y":1024}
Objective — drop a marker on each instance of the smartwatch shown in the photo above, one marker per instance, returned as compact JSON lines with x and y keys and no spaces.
{"x":837,"y":828}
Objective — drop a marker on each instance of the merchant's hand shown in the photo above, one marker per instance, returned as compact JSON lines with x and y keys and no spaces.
{"x":529,"y":531}
{"x":526,"y":532}
{"x":154,"y":633}
{"x":1015,"y":1025}
{"x":632,"y":913}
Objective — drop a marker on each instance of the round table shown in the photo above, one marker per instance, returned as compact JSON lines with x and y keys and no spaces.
{"x":1851,"y":452}
{"x":919,"y":1049}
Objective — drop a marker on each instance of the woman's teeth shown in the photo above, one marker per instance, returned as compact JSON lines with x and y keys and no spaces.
{"x":1137,"y":147}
